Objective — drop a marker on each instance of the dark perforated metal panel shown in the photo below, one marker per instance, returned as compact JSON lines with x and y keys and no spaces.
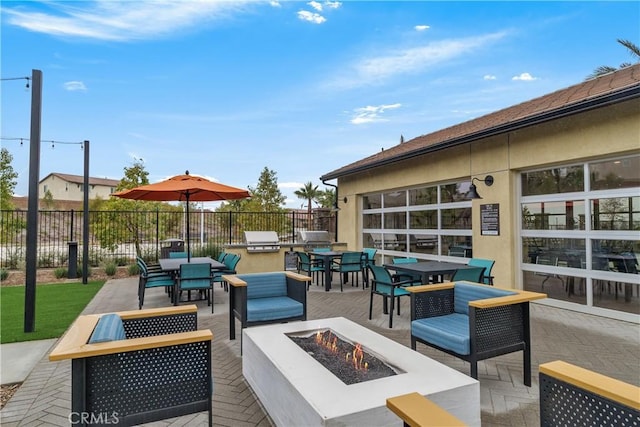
{"x":432,"y":304}
{"x":160,"y":325}
{"x":499,"y":327}
{"x":148,"y":380}
{"x":563,"y":404}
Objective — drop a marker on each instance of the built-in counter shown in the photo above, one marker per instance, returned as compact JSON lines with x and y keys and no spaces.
{"x":258,"y":262}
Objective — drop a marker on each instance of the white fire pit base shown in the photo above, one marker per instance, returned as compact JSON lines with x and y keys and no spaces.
{"x":296,"y":390}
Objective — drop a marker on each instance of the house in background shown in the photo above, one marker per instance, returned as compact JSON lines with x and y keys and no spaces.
{"x":71,"y":187}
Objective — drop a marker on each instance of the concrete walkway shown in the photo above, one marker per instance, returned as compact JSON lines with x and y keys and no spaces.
{"x":607,"y":346}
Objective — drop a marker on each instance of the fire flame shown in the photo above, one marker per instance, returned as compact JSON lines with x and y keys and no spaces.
{"x":355,"y":357}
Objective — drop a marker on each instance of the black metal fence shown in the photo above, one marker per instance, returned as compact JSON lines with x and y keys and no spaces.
{"x":119,"y":236}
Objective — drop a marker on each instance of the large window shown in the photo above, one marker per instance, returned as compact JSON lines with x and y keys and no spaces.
{"x":581,"y":233}
{"x":432,"y":220}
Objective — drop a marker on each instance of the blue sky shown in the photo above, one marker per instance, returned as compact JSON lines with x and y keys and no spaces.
{"x":226,"y":88}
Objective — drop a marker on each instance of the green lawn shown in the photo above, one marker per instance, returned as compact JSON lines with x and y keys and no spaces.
{"x":57,"y":306}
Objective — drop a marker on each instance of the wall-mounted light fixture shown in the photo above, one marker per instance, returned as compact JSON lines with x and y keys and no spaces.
{"x":345,"y":199}
{"x":473,"y":192}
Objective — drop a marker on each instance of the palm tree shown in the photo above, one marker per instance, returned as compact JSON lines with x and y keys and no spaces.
{"x":310,"y":193}
{"x":605,"y":69}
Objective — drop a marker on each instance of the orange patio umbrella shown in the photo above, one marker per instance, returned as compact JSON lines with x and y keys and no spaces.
{"x":187,"y":188}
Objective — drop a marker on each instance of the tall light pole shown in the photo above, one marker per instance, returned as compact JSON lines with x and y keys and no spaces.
{"x":32,"y":212}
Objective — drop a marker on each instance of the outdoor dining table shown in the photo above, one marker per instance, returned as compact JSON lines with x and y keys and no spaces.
{"x":172,"y":265}
{"x":427,"y":269}
{"x":327,"y":257}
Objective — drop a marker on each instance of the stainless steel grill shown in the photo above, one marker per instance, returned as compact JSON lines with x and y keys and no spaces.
{"x":314,"y":239}
{"x":262,"y":241}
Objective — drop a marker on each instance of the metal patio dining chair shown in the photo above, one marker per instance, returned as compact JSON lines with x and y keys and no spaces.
{"x":194,"y":277}
{"x":311,"y":267}
{"x":349,"y":262}
{"x":384,"y":285}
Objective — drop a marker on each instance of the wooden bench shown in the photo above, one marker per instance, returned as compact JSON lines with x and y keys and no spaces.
{"x":571,"y":395}
{"x":139,"y":366}
{"x":415,"y":410}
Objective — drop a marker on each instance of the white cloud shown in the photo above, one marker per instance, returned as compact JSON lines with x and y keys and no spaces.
{"x":421,"y":27}
{"x":275,"y":3}
{"x":75,"y":86}
{"x":409,"y":60}
{"x":370,"y":114}
{"x":120,"y":21}
{"x":489,"y":77}
{"x":316,"y":18}
{"x":525,"y":77}
{"x":333,"y":4}
{"x":317,"y":6}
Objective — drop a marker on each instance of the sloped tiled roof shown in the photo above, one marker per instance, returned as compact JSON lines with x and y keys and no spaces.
{"x":611,"y":88}
{"x":79,"y":179}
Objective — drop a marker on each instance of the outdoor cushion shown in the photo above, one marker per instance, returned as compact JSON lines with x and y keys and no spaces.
{"x":265,"y":285}
{"x":465,"y":292}
{"x":450,"y":332}
{"x":261,"y":309}
{"x":109,"y":328}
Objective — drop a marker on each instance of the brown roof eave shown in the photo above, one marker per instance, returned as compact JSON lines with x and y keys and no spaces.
{"x":625,"y":94}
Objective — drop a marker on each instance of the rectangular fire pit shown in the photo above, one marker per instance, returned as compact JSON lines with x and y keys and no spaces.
{"x":296,"y":390}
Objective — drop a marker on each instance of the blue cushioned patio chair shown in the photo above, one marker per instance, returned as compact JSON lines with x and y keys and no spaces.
{"x":487,"y":278}
{"x":383,"y":284}
{"x":311,"y":267}
{"x":349,"y":262}
{"x":194,"y":277}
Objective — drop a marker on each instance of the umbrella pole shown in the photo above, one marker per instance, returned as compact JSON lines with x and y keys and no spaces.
{"x":187,"y":233}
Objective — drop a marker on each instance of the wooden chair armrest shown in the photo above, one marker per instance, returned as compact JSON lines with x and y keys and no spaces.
{"x":519,"y":297}
{"x":298,"y":277}
{"x":233,"y":280}
{"x":602,"y":385}
{"x":133,"y":344}
{"x":428,"y":288}
{"x":154,"y":312}
{"x":418,"y":411}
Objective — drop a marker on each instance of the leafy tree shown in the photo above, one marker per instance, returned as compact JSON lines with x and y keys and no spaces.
{"x":309,"y":193}
{"x":123,"y":221}
{"x":633,"y":49}
{"x":10,"y":223}
{"x":267,"y":195}
{"x":327,"y":198}
{"x":48,"y":199}
{"x":8,"y":180}
{"x":267,"y":198}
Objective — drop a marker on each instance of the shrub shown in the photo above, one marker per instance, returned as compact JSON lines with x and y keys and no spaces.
{"x":4,"y":273}
{"x":133,"y":270}
{"x":60,"y":272}
{"x":121,"y":261}
{"x":110,"y":268}
{"x":79,"y":272}
{"x":46,"y":261}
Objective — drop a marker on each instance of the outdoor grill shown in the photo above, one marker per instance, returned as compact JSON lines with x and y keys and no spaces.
{"x":314,"y":239}
{"x":262,"y":241}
